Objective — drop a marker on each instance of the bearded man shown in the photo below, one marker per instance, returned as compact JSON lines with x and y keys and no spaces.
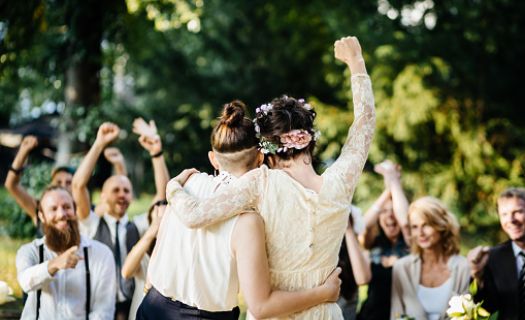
{"x":66,"y":275}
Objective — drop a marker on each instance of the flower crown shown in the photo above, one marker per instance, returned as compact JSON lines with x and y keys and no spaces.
{"x":294,"y":139}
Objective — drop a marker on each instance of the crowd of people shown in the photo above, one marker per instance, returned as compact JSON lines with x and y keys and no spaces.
{"x":265,"y":224}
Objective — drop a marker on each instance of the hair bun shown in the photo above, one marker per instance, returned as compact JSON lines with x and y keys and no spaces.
{"x":233,"y":113}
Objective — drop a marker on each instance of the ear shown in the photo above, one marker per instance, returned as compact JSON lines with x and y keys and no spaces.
{"x":213,"y":160}
{"x":41,"y":217}
{"x":260,"y":159}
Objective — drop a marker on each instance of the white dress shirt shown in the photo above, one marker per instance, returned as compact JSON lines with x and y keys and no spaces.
{"x":89,"y":226}
{"x":64,"y":294}
{"x":519,"y":261}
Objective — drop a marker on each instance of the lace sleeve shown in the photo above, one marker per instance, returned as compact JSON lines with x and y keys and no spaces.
{"x":354,"y":153}
{"x":231,"y":200}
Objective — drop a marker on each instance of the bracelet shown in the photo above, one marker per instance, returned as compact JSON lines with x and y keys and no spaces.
{"x":158,"y":154}
{"x":17,"y":171}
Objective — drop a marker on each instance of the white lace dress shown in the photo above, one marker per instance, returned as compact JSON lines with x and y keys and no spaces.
{"x":304,"y":229}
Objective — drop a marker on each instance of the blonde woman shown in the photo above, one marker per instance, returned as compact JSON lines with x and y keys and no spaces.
{"x":424,"y":281}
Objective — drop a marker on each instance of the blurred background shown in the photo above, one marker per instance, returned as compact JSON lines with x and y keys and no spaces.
{"x":447,"y":78}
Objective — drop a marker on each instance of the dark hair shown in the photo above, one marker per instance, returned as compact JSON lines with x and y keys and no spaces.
{"x":65,"y":169}
{"x":509,"y":193}
{"x":287,"y":114}
{"x":234,"y":132}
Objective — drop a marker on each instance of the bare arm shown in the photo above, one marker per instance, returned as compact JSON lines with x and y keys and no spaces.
{"x":132,"y":263}
{"x":371,"y":217}
{"x":358,"y":260}
{"x":254,"y":276}
{"x":151,"y":142}
{"x":107,"y":133}
{"x":392,"y":176}
{"x":12,"y":181}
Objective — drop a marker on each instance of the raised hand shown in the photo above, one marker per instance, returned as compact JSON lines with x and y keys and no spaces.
{"x":107,"y":133}
{"x":142,"y":128}
{"x":348,"y":50}
{"x":156,"y":217}
{"x":478,"y":258}
{"x":333,"y":285}
{"x":28,"y":144}
{"x":152,"y":144}
{"x":66,"y":260}
{"x":389,"y":170}
{"x":113,"y":155}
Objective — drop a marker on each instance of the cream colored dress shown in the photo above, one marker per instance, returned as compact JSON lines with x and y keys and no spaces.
{"x":304,"y":229}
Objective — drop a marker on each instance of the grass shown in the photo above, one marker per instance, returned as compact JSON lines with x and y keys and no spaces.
{"x":8,"y":248}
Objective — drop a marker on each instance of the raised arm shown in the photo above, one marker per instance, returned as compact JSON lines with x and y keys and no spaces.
{"x":115,"y":157}
{"x":151,"y":142}
{"x":12,"y":181}
{"x":355,"y":150}
{"x":392,"y":175}
{"x":232,"y":200}
{"x":106,"y":134}
{"x":254,"y":275}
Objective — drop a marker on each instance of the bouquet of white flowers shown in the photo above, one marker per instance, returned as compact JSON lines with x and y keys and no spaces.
{"x":463,"y":308}
{"x":5,"y":293}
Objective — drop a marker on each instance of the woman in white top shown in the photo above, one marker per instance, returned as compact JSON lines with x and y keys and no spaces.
{"x":305,"y":214}
{"x":424,"y":281}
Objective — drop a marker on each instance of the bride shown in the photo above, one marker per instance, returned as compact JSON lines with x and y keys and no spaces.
{"x":305,"y":214}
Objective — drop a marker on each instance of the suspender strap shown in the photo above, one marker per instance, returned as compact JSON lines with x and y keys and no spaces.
{"x":88,"y":282}
{"x":39,"y":291}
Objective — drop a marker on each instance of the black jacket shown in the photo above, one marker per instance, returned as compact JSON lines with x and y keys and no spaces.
{"x":500,"y":283}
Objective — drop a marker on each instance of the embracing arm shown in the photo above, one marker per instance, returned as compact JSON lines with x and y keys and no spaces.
{"x":249,"y":245}
{"x":231,"y":200}
{"x":12,"y":181}
{"x":355,"y":150}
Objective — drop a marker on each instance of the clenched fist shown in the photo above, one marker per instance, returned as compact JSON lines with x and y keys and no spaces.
{"x":348,"y":50}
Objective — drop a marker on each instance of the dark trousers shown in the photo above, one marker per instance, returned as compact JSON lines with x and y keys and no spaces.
{"x":155,"y":306}
{"x":122,"y":310}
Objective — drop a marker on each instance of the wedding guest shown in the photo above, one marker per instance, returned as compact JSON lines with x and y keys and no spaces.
{"x":385,"y":237}
{"x":500,"y":271}
{"x":355,"y":267}
{"x":424,"y":281}
{"x":67,"y":275}
{"x":198,"y":272}
{"x":114,"y":228}
{"x":305,"y":214}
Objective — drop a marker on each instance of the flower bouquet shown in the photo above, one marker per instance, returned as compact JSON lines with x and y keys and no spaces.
{"x":463,"y":307}
{"x":5,"y":293}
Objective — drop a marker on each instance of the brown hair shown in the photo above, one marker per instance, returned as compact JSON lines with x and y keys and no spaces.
{"x":436,"y":214}
{"x":234,"y":132}
{"x":50,"y":189}
{"x":509,"y":193}
{"x":287,"y":114}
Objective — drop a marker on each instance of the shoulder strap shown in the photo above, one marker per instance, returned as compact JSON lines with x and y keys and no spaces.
{"x":39,"y":291}
{"x":88,"y":282}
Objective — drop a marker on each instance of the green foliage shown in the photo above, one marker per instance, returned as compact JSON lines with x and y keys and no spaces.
{"x":446,"y":93}
{"x":13,"y":220}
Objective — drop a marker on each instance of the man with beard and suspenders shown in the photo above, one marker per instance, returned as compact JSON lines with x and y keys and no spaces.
{"x":113,"y":228}
{"x":66,"y":275}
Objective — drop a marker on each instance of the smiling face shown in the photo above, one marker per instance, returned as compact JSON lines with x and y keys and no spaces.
{"x":59,"y":221}
{"x":388,"y":222}
{"x":117,"y":194}
{"x":425,"y":236}
{"x":511,"y":212}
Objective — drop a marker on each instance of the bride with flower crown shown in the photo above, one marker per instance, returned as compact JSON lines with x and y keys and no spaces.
{"x":305,"y":214}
